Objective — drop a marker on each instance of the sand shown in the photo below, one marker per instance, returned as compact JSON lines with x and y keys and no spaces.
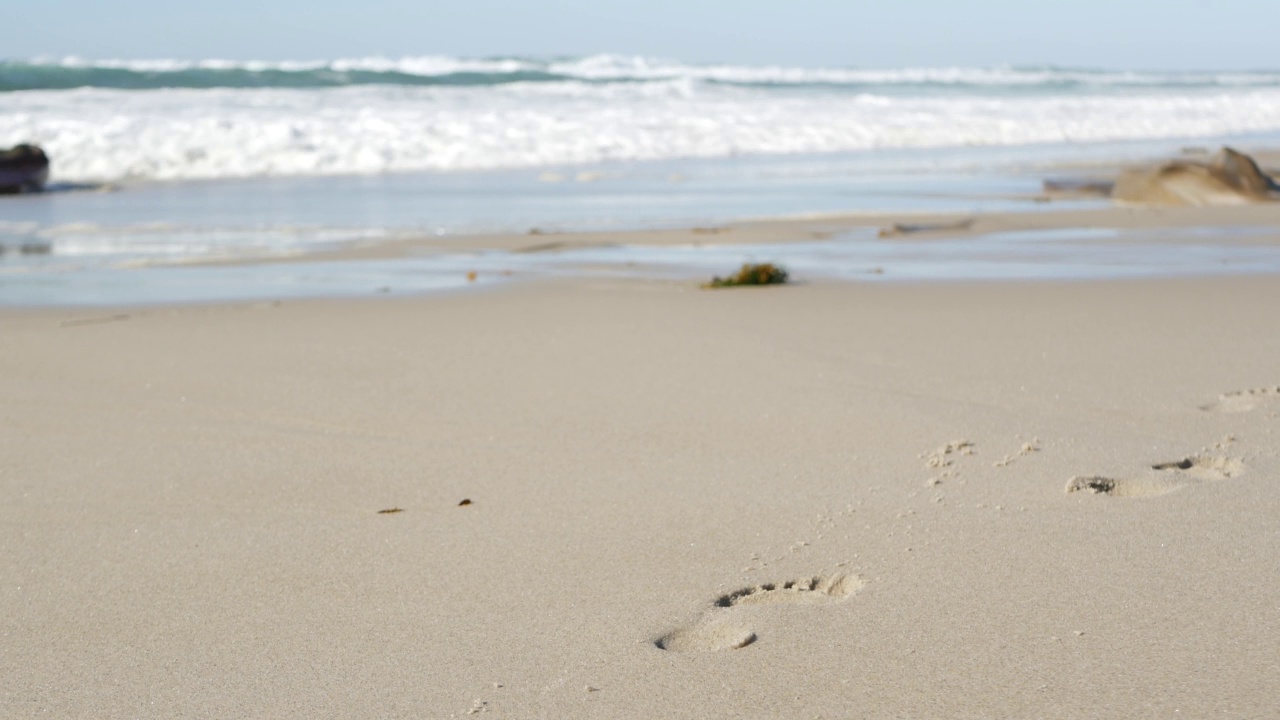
{"x":818,"y":501}
{"x":1263,"y":217}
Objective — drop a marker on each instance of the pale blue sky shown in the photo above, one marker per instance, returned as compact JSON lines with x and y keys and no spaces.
{"x":1156,"y":34}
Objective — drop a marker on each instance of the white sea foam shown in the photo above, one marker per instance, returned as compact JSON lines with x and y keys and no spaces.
{"x":112,"y":135}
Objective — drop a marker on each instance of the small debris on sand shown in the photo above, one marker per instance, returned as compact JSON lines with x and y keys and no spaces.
{"x":900,"y":229}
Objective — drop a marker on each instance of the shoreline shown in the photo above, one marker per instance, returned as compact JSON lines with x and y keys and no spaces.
{"x":369,"y":238}
{"x":1065,"y":244}
{"x":783,"y":230}
{"x":1106,"y":159}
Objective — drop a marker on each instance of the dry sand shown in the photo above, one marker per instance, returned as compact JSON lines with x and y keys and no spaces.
{"x":828,"y":500}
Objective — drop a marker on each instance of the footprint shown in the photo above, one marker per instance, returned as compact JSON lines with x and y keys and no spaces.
{"x":1242,"y":401}
{"x":809,"y":591}
{"x":1122,"y":487}
{"x":1095,"y":484}
{"x":1026,"y":449}
{"x":1202,"y":467}
{"x":945,"y":456}
{"x":725,"y":630}
{"x":1162,"y":479}
{"x":707,"y":636}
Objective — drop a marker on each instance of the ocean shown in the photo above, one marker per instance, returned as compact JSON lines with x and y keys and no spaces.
{"x":160,"y":161}
{"x":170,"y":120}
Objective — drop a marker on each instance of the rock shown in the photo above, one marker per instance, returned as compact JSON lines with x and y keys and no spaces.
{"x":1228,"y":178}
{"x":23,"y":168}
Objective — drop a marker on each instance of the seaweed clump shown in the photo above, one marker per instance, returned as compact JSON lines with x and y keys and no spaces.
{"x":751,"y":274}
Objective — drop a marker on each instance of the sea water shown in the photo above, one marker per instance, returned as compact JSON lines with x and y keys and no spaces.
{"x":157,"y":162}
{"x":166,"y":120}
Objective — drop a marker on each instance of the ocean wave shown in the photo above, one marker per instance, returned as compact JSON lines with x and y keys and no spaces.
{"x":95,"y":135}
{"x":74,"y":72}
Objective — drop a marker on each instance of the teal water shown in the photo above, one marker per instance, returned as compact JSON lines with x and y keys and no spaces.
{"x":165,"y":120}
{"x":68,"y":73}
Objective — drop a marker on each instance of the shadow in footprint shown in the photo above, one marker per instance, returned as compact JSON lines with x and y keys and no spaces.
{"x":1095,"y":484}
{"x":1204,"y":468}
{"x":1122,"y":487}
{"x":706,"y":637}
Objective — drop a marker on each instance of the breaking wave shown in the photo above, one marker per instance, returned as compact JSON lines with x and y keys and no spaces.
{"x":73,"y":72}
{"x":166,"y":119}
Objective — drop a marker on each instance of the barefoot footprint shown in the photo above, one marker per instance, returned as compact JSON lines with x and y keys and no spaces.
{"x":1203,"y":467}
{"x":1163,"y":477}
{"x":706,"y":636}
{"x":719,"y":630}
{"x":1242,"y":401}
{"x":808,"y":591}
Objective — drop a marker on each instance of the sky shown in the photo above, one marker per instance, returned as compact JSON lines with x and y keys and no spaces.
{"x":1128,"y":34}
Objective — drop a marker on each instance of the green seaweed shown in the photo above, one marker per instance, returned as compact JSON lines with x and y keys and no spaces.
{"x":751,"y":274}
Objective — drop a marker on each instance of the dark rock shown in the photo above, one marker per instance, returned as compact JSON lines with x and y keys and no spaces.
{"x":24,"y":168}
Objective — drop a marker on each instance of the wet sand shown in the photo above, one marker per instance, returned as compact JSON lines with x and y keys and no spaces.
{"x":925,"y":226}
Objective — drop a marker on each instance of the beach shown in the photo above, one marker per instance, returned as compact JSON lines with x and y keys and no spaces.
{"x":392,"y":388}
{"x":193,"y":522}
